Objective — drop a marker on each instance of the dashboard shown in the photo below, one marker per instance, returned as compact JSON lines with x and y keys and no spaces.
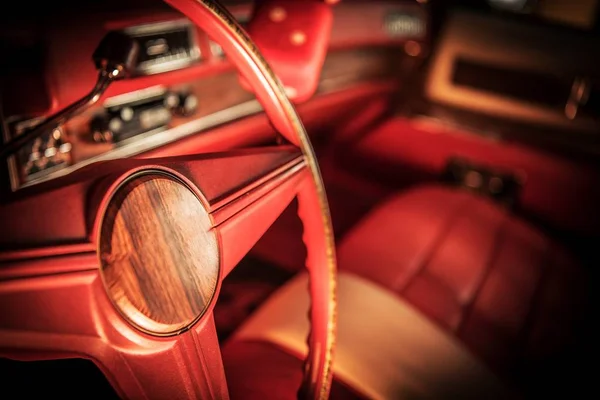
{"x":184,"y":92}
{"x":183,"y":84}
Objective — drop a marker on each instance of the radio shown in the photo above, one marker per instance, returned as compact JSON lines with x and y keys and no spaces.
{"x":124,"y":117}
{"x":165,"y":46}
{"x":38,"y":148}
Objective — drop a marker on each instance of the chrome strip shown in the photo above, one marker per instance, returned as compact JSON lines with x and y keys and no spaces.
{"x":131,"y":97}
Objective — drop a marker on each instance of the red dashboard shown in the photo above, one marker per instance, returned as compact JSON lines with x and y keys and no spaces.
{"x":187,"y":89}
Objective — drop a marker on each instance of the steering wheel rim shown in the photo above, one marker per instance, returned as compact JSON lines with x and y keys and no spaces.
{"x":219,"y":24}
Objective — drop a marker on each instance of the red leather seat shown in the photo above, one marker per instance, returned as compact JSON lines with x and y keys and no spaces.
{"x":512,"y":295}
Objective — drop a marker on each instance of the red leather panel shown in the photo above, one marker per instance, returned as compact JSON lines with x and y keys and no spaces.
{"x":510,"y":293}
{"x":293,"y":36}
{"x":259,"y":370}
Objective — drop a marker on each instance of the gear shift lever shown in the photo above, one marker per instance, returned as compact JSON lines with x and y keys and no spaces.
{"x":115,"y":58}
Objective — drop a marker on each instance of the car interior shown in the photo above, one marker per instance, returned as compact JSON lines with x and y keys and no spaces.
{"x":279,"y":199}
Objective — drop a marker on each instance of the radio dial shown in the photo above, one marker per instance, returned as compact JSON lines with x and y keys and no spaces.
{"x":190,"y":104}
{"x":182,"y":104}
{"x":172,"y":101}
{"x":115,"y":124}
{"x":127,"y":114}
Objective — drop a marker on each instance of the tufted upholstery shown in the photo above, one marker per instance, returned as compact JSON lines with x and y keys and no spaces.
{"x":511,"y":295}
{"x":507,"y":291}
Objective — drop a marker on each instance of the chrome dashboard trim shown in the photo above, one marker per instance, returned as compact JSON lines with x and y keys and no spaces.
{"x":158,"y":137}
{"x":132,"y":97}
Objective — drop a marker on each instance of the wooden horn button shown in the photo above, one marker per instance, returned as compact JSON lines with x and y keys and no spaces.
{"x":159,"y":256}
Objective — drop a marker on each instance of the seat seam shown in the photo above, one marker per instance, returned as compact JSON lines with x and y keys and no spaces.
{"x":500,"y":238}
{"x":438,"y":281}
{"x":444,"y":232}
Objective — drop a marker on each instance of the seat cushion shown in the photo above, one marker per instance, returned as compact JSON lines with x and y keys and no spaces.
{"x":385,"y":349}
{"x":513,"y":296}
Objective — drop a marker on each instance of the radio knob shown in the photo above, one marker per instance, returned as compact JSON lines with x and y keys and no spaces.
{"x":172,"y":101}
{"x":190,"y":104}
{"x":181,"y":104}
{"x":115,"y":124}
{"x":127,"y":114}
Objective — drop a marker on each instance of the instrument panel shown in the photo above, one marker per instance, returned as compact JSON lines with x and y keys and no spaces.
{"x":129,"y":124}
{"x":121,"y":125}
{"x":183,"y":85}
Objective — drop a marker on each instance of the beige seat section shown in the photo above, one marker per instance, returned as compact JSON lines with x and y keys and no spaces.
{"x":385,"y":348}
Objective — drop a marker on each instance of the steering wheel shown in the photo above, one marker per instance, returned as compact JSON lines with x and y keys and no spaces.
{"x":137,"y":296}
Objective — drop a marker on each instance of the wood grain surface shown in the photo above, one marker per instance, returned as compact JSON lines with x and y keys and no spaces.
{"x":159,"y":256}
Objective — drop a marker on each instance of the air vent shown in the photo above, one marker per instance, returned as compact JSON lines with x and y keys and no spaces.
{"x":405,"y":23}
{"x":165,"y":46}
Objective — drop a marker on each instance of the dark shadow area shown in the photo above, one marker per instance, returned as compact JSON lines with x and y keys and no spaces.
{"x":54,"y":379}
{"x":242,"y":292}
